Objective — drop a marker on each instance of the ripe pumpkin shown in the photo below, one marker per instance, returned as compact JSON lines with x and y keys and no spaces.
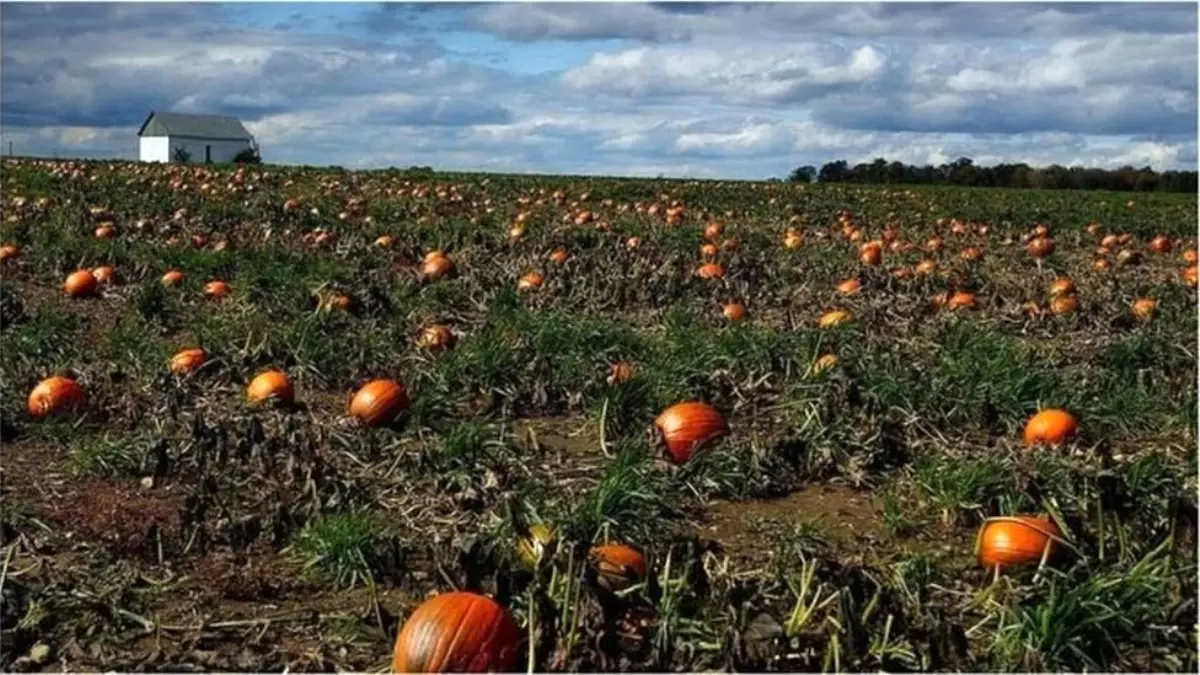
{"x":1144,"y":308}
{"x":379,"y":402}
{"x":1062,"y":286}
{"x":436,"y":338}
{"x":792,"y":240}
{"x":385,"y":241}
{"x":56,"y":395}
{"x":1040,"y":247}
{"x":559,"y":256}
{"x":621,"y":372}
{"x":849,"y":287}
{"x":9,"y":252}
{"x":105,"y":231}
{"x":437,"y":267}
{"x":216,"y":289}
{"x":1190,"y":256}
{"x":104,"y":273}
{"x":734,"y":311}
{"x":1191,"y":276}
{"x":710,"y":271}
{"x":1160,"y":244}
{"x":80,"y":283}
{"x":530,"y":281}
{"x":871,"y":254}
{"x":172,"y":278}
{"x":271,"y":385}
{"x":1050,"y":427}
{"x":971,"y":254}
{"x":1015,"y":540}
{"x":188,"y":361}
{"x":708,"y":250}
{"x":458,"y":632}
{"x":961,"y":300}
{"x":1061,"y":305}
{"x":713,"y":231}
{"x":617,"y":566}
{"x":833,"y":318}
{"x":687,"y":427}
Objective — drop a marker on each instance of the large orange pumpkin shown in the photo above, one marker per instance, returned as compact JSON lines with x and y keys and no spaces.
{"x":849,"y":286}
{"x":458,"y":632}
{"x":1015,"y":540}
{"x":9,"y":251}
{"x":378,"y":402}
{"x":617,"y":566}
{"x":272,"y":384}
{"x":55,"y":395}
{"x":437,"y":267}
{"x":172,"y":278}
{"x":1144,"y":308}
{"x":710,"y":271}
{"x":1050,"y":427}
{"x":734,"y":311}
{"x":1040,"y":247}
{"x":80,"y":283}
{"x":216,"y":289}
{"x":531,"y":281}
{"x":686,"y":427}
{"x":188,"y":361}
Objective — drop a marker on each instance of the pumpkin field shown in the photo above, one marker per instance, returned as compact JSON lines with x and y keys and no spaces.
{"x":254,"y":417}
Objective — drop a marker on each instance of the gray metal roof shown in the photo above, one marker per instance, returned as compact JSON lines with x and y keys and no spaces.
{"x":194,"y":126}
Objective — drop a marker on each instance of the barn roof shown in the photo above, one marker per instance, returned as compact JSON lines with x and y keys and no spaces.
{"x":195,"y":126}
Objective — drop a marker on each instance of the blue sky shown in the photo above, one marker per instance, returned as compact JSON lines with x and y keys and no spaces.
{"x":727,"y":90}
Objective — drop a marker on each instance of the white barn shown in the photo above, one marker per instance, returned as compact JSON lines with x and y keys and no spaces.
{"x":204,"y":138}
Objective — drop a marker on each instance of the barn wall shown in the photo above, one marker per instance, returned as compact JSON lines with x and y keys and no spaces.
{"x":222,"y":151}
{"x":154,"y":149}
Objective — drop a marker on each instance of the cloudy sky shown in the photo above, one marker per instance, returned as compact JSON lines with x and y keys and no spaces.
{"x":678,"y":89}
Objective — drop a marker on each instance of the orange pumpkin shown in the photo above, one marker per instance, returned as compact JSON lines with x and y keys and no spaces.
{"x":216,"y":289}
{"x":849,"y":287}
{"x":1160,"y":244}
{"x":172,"y":278}
{"x":823,"y":363}
{"x":710,"y":271}
{"x":559,"y":256}
{"x":708,"y":250}
{"x":971,"y":254}
{"x":1190,"y":256}
{"x":188,"y":361}
{"x":713,"y":231}
{"x":437,"y":267}
{"x":56,"y":395}
{"x":961,"y":300}
{"x":792,"y":240}
{"x":621,"y":372}
{"x":80,"y":283}
{"x":734,"y":311}
{"x":1110,"y":241}
{"x":1040,"y":247}
{"x":1191,"y":276}
{"x":833,"y":318}
{"x":1144,"y":308}
{"x":1061,"y":305}
{"x":9,"y":252}
{"x":105,"y":231}
{"x":617,"y":566}
{"x":385,"y":241}
{"x":271,"y":385}
{"x":1062,"y":286}
{"x":104,"y":273}
{"x":436,"y":338}
{"x":934,"y":245}
{"x":379,"y":402}
{"x":1100,"y":264}
{"x":1050,"y":427}
{"x":1016,"y":540}
{"x":458,"y":632}
{"x":530,"y":281}
{"x":687,"y":427}
{"x":337,"y":301}
{"x":871,"y":254}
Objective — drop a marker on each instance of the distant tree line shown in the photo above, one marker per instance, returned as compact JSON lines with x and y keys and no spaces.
{"x":964,"y":172}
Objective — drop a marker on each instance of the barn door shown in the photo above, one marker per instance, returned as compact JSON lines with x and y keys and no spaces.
{"x":208,"y":154}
